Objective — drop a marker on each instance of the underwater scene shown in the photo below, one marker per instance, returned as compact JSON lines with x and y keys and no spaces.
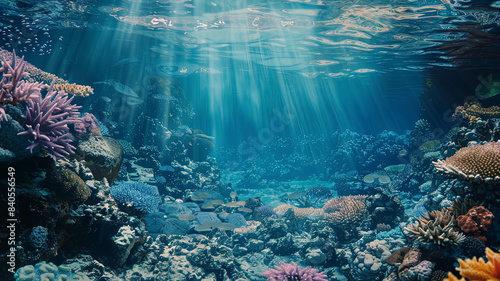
{"x":279,"y":140}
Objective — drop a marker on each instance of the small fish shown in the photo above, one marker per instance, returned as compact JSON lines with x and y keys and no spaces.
{"x":164,"y":97}
{"x":119,"y":87}
{"x":126,"y":61}
{"x":134,"y":101}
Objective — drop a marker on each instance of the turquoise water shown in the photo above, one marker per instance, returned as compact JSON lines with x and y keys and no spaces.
{"x":199,"y":123}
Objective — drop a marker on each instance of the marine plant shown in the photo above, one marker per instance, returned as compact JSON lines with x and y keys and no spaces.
{"x":13,"y":89}
{"x":476,"y":269}
{"x":436,"y":227}
{"x":144,"y":197}
{"x":291,"y":271}
{"x":47,"y":122}
{"x":476,"y":163}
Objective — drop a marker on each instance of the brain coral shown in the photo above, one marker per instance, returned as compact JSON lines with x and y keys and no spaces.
{"x":476,"y":163}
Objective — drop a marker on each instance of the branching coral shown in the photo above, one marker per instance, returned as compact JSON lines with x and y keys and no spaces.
{"x":477,"y":269}
{"x":293,"y":272}
{"x":143,"y":196}
{"x":476,"y":163}
{"x":436,"y":227}
{"x":47,"y":121}
{"x":13,"y":89}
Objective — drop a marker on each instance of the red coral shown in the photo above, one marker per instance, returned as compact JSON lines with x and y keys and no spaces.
{"x":476,"y":222}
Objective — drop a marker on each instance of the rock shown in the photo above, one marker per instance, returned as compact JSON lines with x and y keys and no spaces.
{"x":67,"y":184}
{"x":123,"y":242}
{"x":315,"y":256}
{"x":255,"y":245}
{"x":103,"y":156}
{"x":368,"y":261}
{"x":376,"y":267}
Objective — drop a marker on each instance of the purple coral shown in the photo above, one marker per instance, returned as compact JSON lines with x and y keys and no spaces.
{"x":13,"y":90}
{"x":292,"y":272}
{"x":87,"y":125}
{"x":47,"y":121}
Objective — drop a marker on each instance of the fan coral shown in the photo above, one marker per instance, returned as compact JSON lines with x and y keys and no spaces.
{"x":476,"y":163}
{"x":477,"y":269}
{"x":12,"y":89}
{"x":144,"y":197}
{"x":436,"y":227}
{"x":476,"y":222}
{"x":47,"y":121}
{"x":292,"y":271}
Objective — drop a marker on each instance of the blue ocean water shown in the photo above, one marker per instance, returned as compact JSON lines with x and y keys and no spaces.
{"x":306,"y":132}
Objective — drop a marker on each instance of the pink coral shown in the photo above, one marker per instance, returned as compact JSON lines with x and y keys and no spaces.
{"x":291,"y":271}
{"x":13,"y":90}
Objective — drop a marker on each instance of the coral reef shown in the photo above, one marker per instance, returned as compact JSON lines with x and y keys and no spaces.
{"x":477,"y":163}
{"x":472,"y":112}
{"x":38,"y":76}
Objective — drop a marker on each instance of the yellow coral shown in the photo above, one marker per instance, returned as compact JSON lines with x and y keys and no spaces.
{"x":475,"y":163}
{"x":477,"y":269}
{"x":473,"y":112}
{"x":74,"y":89}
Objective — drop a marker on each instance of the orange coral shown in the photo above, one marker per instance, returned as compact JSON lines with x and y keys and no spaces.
{"x":477,"y":269}
{"x":477,"y":163}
